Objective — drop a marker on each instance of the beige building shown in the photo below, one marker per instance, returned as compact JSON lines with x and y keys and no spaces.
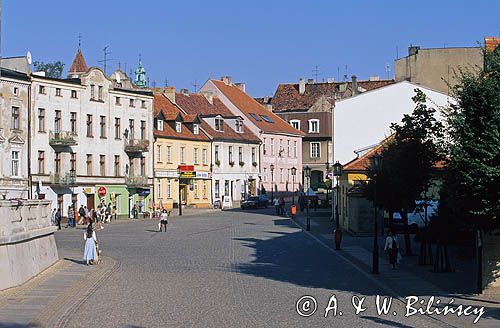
{"x":435,"y":68}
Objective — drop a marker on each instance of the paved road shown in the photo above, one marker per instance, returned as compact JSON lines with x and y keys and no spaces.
{"x":225,"y":269}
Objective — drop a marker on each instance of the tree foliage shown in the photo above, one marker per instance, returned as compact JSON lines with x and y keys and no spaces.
{"x":473,"y":180}
{"x":54,"y":69}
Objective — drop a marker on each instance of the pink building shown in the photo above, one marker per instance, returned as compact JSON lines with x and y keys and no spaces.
{"x":281,"y":144}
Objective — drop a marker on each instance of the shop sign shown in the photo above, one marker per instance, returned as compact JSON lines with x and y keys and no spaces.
{"x":186,"y":168}
{"x":187,"y":175}
{"x":166,"y":174}
{"x":203,"y":175}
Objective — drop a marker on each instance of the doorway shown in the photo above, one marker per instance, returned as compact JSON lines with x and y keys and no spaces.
{"x":90,"y":201}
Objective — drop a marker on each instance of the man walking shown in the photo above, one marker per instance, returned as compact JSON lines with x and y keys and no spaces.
{"x":71,"y":216}
{"x":81,"y":214}
{"x":58,"y":218}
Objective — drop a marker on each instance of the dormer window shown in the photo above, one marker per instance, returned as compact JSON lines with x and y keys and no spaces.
{"x":219,"y":124}
{"x":239,"y":126}
{"x":118,"y":101}
{"x":313,"y":126}
{"x":178,"y":127}
{"x":295,"y":124}
{"x":196,"y":128}
{"x":159,"y":124}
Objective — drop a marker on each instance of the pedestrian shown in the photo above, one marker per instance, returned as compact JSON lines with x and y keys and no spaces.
{"x":135,"y":212}
{"x":87,"y":215}
{"x":108,"y":212}
{"x":81,"y":214}
{"x":102,"y":216}
{"x":282,"y":205}
{"x":391,"y":245}
{"x":114,"y":212}
{"x":164,"y":219}
{"x":71,"y":216}
{"x":90,"y":252}
{"x":53,"y":217}
{"x":58,"y":218}
{"x":277,"y":205}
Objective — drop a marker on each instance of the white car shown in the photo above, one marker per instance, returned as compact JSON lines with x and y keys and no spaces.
{"x":416,"y":219}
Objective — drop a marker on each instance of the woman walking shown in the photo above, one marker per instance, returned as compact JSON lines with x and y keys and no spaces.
{"x":164,"y":220}
{"x":90,"y":253}
{"x":391,"y":244}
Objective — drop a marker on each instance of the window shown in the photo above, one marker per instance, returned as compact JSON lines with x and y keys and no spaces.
{"x":272,"y":146}
{"x":169,"y":154}
{"x":195,"y":155}
{"x":92,"y":92}
{"x":132,"y":128}
{"x":41,"y":120}
{"x":267,"y":118}
{"x":99,"y":94}
{"x":58,"y":121}
{"x":132,"y":167}
{"x":196,"y":183}
{"x":57,"y":160}
{"x":313,"y":126}
{"x":216,"y":189}
{"x":15,"y":163}
{"x":169,"y":188}
{"x":182,"y":154}
{"x":143,"y":103}
{"x":131,"y":103}
{"x":281,"y":176}
{"x":158,"y":153}
{"x":143,"y":166}
{"x":58,"y":92}
{"x":89,"y":164}
{"x":102,"y":165}
{"x":103,"y":126}
{"x":143,"y":130}
{"x":15,"y":118}
{"x":265,"y":174}
{"x":204,"y":156}
{"x":16,"y":91}
{"x":216,"y":153}
{"x":314,"y":151}
{"x":117,"y":128}
{"x":295,"y":124}
{"x":74,"y":94}
{"x":240,"y":154}
{"x":89,"y":126}
{"x":295,"y":149}
{"x":158,"y":189}
{"x":41,"y":162}
{"x":196,"y":129}
{"x":280,"y":150}
{"x":178,"y":127}
{"x":255,"y":117}
{"x":239,"y":126}
{"x":219,"y":124}
{"x":264,"y":145}
{"x":73,"y":122}
{"x":41,"y":89}
{"x":118,"y":101}
{"x":205,"y":195}
{"x":159,"y":125}
{"x":230,"y":153}
{"x":117,"y":165}
{"x":288,"y":148}
{"x":254,"y":159}
{"x":72,"y":164}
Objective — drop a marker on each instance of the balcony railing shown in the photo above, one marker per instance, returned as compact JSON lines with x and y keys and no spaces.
{"x":136,"y":181}
{"x":62,"y":138}
{"x":68,"y":179}
{"x":136,"y":146}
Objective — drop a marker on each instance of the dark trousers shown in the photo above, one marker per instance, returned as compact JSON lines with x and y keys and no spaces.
{"x":58,"y":222}
{"x":163,"y":224}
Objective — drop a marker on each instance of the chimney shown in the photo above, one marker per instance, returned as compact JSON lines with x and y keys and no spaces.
{"x":209,"y":96}
{"x":310,"y":81}
{"x":266,"y":100}
{"x":302,"y":86}
{"x":185,"y":92}
{"x":227,"y":80}
{"x":354,"y":85}
{"x":413,"y":50}
{"x":241,"y":86}
{"x":374,"y":78}
{"x":169,"y":92}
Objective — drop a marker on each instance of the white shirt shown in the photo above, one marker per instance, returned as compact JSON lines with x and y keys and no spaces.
{"x":388,"y":242}
{"x":93,"y":236}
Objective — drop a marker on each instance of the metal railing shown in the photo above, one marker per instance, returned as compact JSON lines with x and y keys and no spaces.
{"x":136,"y":145}
{"x":68,"y":179}
{"x":62,"y":138}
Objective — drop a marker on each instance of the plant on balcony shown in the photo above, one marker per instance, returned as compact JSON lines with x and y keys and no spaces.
{"x":231,"y":163}
{"x":217,"y":162}
{"x":242,"y":163}
{"x":254,"y":164}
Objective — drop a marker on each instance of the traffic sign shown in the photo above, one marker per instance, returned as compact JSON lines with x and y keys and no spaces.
{"x":102,"y":191}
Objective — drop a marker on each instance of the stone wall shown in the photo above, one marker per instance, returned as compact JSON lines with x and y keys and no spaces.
{"x":27,"y":244}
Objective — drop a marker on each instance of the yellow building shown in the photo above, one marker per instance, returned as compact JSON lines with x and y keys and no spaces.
{"x":182,"y":157}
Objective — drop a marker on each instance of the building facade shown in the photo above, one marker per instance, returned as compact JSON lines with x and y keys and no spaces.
{"x":281,"y":148}
{"x":91,"y":141}
{"x":182,"y":156}
{"x":14,"y":136}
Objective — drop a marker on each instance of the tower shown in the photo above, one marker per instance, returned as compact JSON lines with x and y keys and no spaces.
{"x":140,"y":76}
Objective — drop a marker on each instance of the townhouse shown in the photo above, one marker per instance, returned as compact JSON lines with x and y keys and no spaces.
{"x":281,"y":150}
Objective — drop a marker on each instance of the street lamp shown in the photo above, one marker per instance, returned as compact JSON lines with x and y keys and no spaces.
{"x":337,"y":172}
{"x":307,"y":175}
{"x":376,"y":164}
{"x":271,"y":167}
{"x":326,"y":177}
{"x":294,"y":173}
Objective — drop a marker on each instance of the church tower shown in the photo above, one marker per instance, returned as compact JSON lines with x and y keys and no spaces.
{"x":79,"y":65}
{"x":140,"y":76}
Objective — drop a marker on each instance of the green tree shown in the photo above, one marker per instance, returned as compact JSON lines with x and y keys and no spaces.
{"x":54,"y":69}
{"x":408,"y":160}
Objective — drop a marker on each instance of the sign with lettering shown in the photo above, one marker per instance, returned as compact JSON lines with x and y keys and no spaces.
{"x":187,"y":175}
{"x":186,"y":168}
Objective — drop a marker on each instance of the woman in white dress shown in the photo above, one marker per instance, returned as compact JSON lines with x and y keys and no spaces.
{"x":90,"y":253}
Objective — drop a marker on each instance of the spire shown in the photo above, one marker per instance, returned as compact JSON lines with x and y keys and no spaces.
{"x":140,"y":75}
{"x":79,"y":65}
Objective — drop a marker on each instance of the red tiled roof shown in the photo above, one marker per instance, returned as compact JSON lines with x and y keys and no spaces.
{"x":490,"y":43}
{"x":248,"y":106}
{"x":287,"y":96}
{"x":79,"y":65}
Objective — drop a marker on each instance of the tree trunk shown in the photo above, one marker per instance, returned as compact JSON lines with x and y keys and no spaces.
{"x":406,"y":230}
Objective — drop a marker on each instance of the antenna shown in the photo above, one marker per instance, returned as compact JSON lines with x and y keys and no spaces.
{"x":106,"y":59}
{"x":387,"y":69}
{"x":79,"y":40}
{"x":338,"y":73}
{"x":345,"y":75}
{"x":315,"y":72}
{"x":195,"y":85}
{"x":166,"y":81}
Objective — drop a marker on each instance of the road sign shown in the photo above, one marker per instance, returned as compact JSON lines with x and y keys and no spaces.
{"x":102,"y":191}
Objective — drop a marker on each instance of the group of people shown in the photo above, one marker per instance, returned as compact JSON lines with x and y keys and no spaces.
{"x":279,"y":205}
{"x":102,"y":214}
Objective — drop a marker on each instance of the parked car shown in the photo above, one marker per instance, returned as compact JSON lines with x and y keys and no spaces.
{"x":255,"y":202}
{"x":416,"y":219}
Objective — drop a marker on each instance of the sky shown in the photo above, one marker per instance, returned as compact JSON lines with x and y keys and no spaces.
{"x":262,"y":43}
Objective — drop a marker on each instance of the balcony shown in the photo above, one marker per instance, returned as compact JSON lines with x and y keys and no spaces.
{"x":62,"y":138}
{"x":136,"y":181}
{"x":68,"y":179}
{"x":136,"y":146}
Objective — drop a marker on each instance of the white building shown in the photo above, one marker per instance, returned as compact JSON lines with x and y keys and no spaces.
{"x":14,"y":108}
{"x":87,"y":134}
{"x":362,"y":121}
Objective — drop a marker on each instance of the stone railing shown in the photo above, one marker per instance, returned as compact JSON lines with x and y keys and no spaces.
{"x":21,"y":216}
{"x":62,"y":138}
{"x":136,"y":181}
{"x":136,"y":145}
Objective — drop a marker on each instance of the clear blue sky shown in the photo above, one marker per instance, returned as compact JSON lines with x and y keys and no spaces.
{"x":261,"y":43}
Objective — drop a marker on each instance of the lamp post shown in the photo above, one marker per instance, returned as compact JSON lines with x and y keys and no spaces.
{"x":271,"y":168}
{"x":327,"y":169}
{"x":294,"y":173}
{"x":307,"y":174}
{"x":376,"y":163}
{"x":337,"y":172}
